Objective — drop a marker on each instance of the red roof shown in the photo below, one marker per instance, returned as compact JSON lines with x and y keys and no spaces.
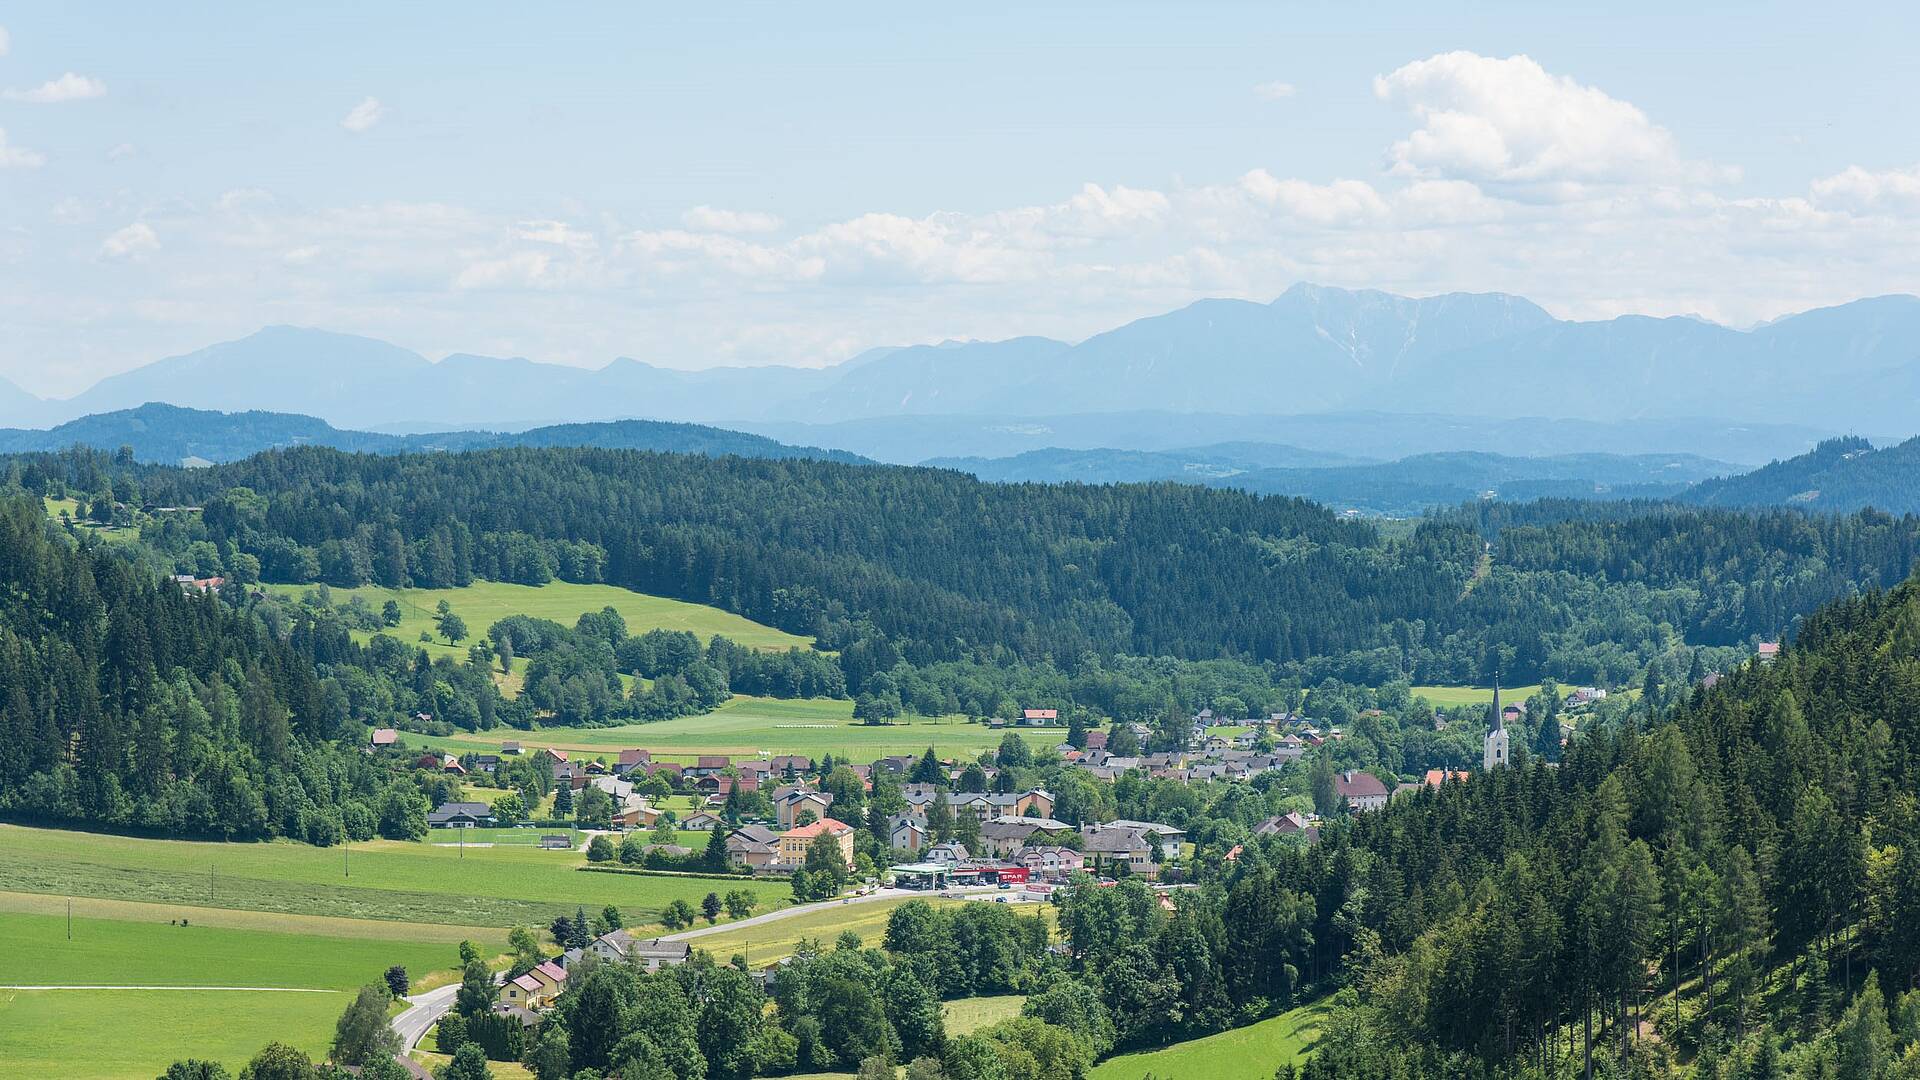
{"x":528,"y":983}
{"x":552,"y":971}
{"x":635,"y":757}
{"x":826,"y":825}
{"x":1096,"y":740}
{"x":1042,"y":714}
{"x":385,"y":736}
{"x":1435,"y":777}
{"x":557,"y":755}
{"x":712,"y":761}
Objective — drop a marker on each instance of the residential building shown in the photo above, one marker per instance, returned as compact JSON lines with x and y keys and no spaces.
{"x":385,"y":736}
{"x":460,"y":815}
{"x":753,"y":846}
{"x":907,"y":832}
{"x":1057,"y":863}
{"x":1360,"y":791}
{"x":651,"y":953}
{"x":795,"y":842}
{"x":951,"y":853}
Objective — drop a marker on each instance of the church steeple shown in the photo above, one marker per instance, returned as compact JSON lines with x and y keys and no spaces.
{"x":1497,"y":747}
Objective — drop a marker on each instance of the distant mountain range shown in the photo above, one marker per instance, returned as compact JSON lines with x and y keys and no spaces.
{"x":1839,"y":475}
{"x":1400,"y":488}
{"x":168,"y":434}
{"x":1854,"y":368}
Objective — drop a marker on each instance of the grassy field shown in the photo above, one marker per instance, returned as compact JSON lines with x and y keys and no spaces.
{"x":1248,"y":1053}
{"x":527,"y":837}
{"x":1450,"y":696}
{"x":483,"y":603}
{"x":769,"y":942}
{"x":501,"y":886}
{"x":747,"y":726}
{"x":136,"y":1034}
{"x":148,"y":1029}
{"x":968,"y":1015}
{"x":34,"y":950}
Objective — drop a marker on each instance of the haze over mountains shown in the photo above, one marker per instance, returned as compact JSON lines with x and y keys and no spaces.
{"x":1852,"y":368}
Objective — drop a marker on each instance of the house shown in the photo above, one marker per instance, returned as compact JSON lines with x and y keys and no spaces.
{"x":1039,"y":717}
{"x":1006,"y":834}
{"x":486,"y":763}
{"x":950,"y":854}
{"x":788,"y":808}
{"x":629,"y":760}
{"x":795,"y":842}
{"x":1048,"y":861}
{"x":672,"y":770}
{"x":650,"y":953}
{"x":1096,"y":740}
{"x":1166,"y":837}
{"x":1361,"y":791}
{"x":522,"y":992}
{"x":896,"y":763}
{"x":754,"y":846}
{"x":634,"y":813}
{"x":709,"y":765}
{"x":552,"y":978}
{"x":699,"y":821}
{"x":790,"y":765}
{"x":1292,"y":823}
{"x":907,"y":832}
{"x":510,"y":747}
{"x":385,"y":736}
{"x":460,"y":815}
{"x":1768,"y":651}
{"x":1114,"y":847}
{"x":722,"y":784}
{"x":614,"y":786}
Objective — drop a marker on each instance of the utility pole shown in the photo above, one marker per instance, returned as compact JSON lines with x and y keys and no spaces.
{"x":209,"y":883}
{"x":69,"y":918}
{"x":346,"y":863}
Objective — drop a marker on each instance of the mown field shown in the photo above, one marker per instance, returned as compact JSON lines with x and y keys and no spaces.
{"x":501,"y":886}
{"x":136,"y":1033}
{"x":1451,"y":696}
{"x":483,"y":603}
{"x":748,"y":726}
{"x":968,"y":1015}
{"x":1248,"y":1053}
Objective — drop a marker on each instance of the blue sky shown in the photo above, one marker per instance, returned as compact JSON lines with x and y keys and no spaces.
{"x":781,"y":183}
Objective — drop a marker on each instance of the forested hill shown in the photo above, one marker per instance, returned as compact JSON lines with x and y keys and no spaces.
{"x":1758,"y":850}
{"x":888,"y":564}
{"x":1838,"y":475}
{"x":129,"y":702}
{"x":168,"y":434}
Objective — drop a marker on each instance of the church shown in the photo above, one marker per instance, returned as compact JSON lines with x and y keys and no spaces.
{"x":1495,"y":752}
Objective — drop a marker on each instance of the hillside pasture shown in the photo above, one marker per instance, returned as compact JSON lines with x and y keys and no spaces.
{"x":755,"y":726}
{"x":505,"y":886}
{"x":484,"y":603}
{"x":1246,"y":1053}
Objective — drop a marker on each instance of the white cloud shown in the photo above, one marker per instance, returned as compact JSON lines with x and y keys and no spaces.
{"x":1865,"y":189}
{"x":68,"y":87}
{"x":18,"y":157}
{"x":364,"y":115}
{"x":710,"y":219}
{"x":133,"y":241}
{"x":1512,"y":122}
{"x":1274,"y":91}
{"x":123,"y":151}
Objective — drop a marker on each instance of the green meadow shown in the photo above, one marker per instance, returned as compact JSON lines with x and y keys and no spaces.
{"x":141,"y":1031}
{"x":749,"y":726}
{"x":503,"y":886}
{"x":968,"y":1015}
{"x":483,"y":603}
{"x":1248,"y":1053}
{"x":1451,"y":696}
{"x":136,"y":1034}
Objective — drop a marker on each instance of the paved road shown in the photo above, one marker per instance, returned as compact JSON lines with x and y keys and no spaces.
{"x":425,"y":1011}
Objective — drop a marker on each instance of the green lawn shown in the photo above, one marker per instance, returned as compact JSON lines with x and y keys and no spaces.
{"x":483,"y":603}
{"x":510,"y":885}
{"x":750,"y":725}
{"x":136,"y":1034}
{"x":1450,"y":696}
{"x":968,"y":1015}
{"x":1248,"y":1053}
{"x":529,"y":837}
{"x":769,"y":942}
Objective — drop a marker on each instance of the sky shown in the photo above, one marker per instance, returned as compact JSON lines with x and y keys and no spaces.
{"x":793,"y":183}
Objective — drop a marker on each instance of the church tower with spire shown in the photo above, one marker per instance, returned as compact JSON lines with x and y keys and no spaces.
{"x":1495,"y":752}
